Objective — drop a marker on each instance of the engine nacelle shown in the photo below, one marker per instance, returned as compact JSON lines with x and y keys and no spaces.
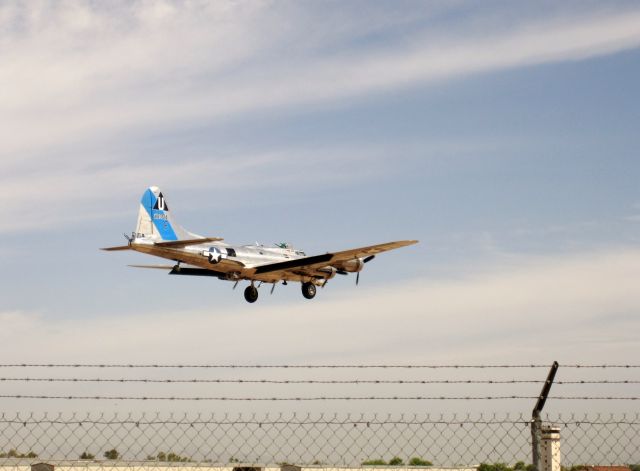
{"x":352,"y":266}
{"x":329,"y":272}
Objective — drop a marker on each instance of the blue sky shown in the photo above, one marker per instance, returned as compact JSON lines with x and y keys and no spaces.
{"x":502,"y":135}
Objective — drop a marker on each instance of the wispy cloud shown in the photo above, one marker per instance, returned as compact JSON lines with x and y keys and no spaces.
{"x":79,"y":72}
{"x":574,"y":309}
{"x":570,"y":301}
{"x":79,"y":190}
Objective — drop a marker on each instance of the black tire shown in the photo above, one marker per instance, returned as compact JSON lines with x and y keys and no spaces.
{"x":251,"y":294}
{"x":308,"y":290}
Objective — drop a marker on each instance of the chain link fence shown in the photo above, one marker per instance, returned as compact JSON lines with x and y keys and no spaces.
{"x":491,"y":442}
{"x":323,"y":441}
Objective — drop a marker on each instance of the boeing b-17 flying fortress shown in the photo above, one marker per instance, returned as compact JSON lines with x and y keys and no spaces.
{"x":157,"y":234}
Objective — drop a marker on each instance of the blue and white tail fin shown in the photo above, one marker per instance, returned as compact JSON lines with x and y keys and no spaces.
{"x":155,"y":221}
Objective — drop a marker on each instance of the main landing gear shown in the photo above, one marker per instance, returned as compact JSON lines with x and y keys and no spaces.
{"x":308,"y":290}
{"x":251,"y":293}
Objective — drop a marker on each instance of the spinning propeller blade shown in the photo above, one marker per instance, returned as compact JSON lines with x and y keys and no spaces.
{"x":364,"y":260}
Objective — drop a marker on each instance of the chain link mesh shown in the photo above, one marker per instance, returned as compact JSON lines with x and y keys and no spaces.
{"x":153,"y":441}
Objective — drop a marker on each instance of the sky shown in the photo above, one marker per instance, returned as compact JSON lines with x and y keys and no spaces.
{"x":502,"y":135}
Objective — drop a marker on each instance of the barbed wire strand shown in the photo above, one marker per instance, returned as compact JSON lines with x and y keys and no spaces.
{"x":316,"y":398}
{"x":367,"y":423}
{"x":184,"y":418}
{"x":309,"y":381}
{"x":334,"y":366}
{"x":257,"y":366}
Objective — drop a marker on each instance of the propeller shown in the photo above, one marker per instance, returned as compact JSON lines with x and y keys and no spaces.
{"x":364,"y":260}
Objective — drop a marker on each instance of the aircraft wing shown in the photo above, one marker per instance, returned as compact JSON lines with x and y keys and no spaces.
{"x":318,"y":261}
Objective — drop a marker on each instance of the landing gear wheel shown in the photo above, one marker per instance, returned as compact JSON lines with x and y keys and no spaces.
{"x":308,"y":290}
{"x":251,"y":294}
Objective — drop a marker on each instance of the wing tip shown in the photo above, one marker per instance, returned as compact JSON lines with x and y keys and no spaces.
{"x":404,"y":243}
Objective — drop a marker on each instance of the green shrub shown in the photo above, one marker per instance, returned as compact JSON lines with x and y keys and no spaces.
{"x":416,"y":461}
{"x":377,"y":462}
{"x":112,"y":454}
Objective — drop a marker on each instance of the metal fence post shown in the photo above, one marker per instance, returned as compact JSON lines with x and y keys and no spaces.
{"x":536,"y":426}
{"x":536,"y":421}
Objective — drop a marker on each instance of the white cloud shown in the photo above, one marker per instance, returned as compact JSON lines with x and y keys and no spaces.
{"x":77,"y":73}
{"x":574,"y":309}
{"x":537,"y":308}
{"x":78,"y":191}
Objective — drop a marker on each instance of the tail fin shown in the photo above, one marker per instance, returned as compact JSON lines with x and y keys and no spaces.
{"x":155,"y":221}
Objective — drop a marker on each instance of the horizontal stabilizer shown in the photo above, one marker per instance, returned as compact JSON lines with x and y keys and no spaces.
{"x":185,"y":242}
{"x":196,"y":272}
{"x":189,"y":271}
{"x":120,"y":247}
{"x":157,"y":267}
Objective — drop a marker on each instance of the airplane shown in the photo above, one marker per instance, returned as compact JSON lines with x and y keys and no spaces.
{"x":194,"y":255}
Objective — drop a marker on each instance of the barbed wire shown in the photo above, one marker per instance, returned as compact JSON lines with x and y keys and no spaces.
{"x":600,"y":366}
{"x":310,"y":419}
{"x":310,"y":381}
{"x":318,"y":366}
{"x":257,"y":366}
{"x":310,"y":398}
